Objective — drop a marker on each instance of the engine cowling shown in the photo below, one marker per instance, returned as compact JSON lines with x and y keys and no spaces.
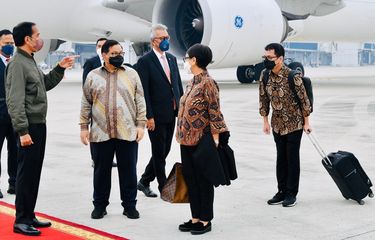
{"x":49,"y":45}
{"x":237,"y":32}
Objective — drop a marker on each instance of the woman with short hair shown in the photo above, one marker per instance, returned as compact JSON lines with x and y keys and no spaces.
{"x":199,"y":114}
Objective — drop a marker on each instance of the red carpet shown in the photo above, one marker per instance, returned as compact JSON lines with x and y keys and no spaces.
{"x":60,"y":230}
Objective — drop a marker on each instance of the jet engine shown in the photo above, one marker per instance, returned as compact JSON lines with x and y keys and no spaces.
{"x":49,"y":45}
{"x":237,"y":31}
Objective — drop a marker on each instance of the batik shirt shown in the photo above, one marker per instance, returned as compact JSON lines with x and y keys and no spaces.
{"x":287,"y":116}
{"x":113,"y":104}
{"x":199,"y":111}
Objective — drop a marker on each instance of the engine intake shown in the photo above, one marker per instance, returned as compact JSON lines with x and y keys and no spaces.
{"x":236,"y":31}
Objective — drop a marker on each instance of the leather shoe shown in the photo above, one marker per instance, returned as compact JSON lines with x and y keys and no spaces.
{"x":98,"y":213}
{"x":131,"y":213}
{"x":38,"y":224}
{"x":146,"y":190}
{"x":11,"y":189}
{"x":26,"y":229}
{"x":199,"y":228}
{"x":1,"y":194}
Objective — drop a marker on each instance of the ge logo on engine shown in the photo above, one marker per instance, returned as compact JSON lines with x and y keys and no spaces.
{"x":238,"y":22}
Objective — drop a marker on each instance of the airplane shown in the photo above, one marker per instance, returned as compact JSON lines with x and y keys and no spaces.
{"x":235,"y":30}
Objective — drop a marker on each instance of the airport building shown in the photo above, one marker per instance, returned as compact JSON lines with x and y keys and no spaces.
{"x":310,"y":54}
{"x":331,"y":53}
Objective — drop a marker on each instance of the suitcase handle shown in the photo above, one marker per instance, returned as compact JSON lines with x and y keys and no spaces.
{"x":318,"y":148}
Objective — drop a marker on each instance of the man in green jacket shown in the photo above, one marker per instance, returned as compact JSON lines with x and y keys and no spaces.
{"x":26,"y":98}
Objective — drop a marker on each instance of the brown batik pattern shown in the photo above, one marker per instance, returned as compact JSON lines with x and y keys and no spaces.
{"x":286,"y":113}
{"x":199,"y":111}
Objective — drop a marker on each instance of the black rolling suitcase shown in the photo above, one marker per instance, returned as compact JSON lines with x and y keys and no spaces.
{"x":347,"y":173}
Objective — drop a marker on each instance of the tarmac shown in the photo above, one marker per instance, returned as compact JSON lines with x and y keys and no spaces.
{"x":343,"y":119}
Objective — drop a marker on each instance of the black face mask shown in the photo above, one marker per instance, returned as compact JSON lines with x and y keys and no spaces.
{"x":116,"y":61}
{"x":269,"y":64}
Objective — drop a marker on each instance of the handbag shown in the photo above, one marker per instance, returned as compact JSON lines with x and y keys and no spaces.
{"x":175,"y":189}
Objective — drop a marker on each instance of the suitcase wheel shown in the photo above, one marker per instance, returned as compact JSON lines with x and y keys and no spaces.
{"x":361,"y":202}
{"x":371,"y":195}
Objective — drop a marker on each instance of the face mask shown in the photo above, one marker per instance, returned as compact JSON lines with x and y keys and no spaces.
{"x":39,"y":44}
{"x":269,"y":64}
{"x":164,"y":45}
{"x":187,"y":67}
{"x":116,"y":61}
{"x":99,"y":52}
{"x":8,"y":50}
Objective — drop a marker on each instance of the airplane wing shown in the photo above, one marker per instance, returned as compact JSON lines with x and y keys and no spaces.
{"x":140,"y":8}
{"x":301,"y":9}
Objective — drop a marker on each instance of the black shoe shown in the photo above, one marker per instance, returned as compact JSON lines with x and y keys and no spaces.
{"x":131,"y":213}
{"x":1,"y":194}
{"x":289,"y":201}
{"x":38,"y":224}
{"x":98,"y":213}
{"x":114,"y":164}
{"x":25,"y":229}
{"x":199,"y":228}
{"x":146,"y":190}
{"x":186,"y":226}
{"x":277,"y":199}
{"x":11,"y":189}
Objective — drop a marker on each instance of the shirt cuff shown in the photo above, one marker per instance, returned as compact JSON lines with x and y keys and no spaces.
{"x":141,"y":124}
{"x":23,"y":132}
{"x":59,"y":69}
{"x":84,"y":127}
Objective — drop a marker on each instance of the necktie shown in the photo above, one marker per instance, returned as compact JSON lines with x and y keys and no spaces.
{"x":168,"y":73}
{"x":166,"y":67}
{"x":7,"y":60}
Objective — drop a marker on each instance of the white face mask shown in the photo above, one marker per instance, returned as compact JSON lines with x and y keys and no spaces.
{"x":187,"y":67}
{"x":99,"y":52}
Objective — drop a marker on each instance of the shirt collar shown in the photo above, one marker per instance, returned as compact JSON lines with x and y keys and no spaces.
{"x":158,"y":54}
{"x":282,"y":71}
{"x":105,"y":69}
{"x":22,"y":52}
{"x":4,"y":59}
{"x":199,"y":78}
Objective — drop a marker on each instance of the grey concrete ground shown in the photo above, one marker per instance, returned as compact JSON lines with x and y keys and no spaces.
{"x":344,"y":118}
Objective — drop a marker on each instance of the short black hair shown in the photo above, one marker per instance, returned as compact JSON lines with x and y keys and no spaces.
{"x":202,"y":53}
{"x":108,"y":44}
{"x":21,"y":31}
{"x":5,"y":32}
{"x":277,"y":47}
{"x":100,"y":39}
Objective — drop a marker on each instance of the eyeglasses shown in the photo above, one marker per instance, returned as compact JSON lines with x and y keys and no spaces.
{"x":114,"y":54}
{"x":162,"y":38}
{"x":270,"y":58}
{"x":185,"y":58}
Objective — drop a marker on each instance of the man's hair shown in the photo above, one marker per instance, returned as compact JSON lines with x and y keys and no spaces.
{"x":5,"y":32}
{"x":100,"y":39}
{"x":202,"y":54}
{"x":277,"y":47}
{"x":21,"y":31}
{"x":109,"y":43}
{"x":155,"y":28}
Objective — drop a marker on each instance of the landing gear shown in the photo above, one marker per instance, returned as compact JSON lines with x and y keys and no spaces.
{"x":250,"y":73}
{"x":246,"y":74}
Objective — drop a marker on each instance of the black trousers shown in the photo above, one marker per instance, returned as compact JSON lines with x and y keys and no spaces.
{"x":30,"y":161}
{"x":126,"y":154}
{"x":201,"y":191}
{"x":161,"y":141}
{"x":288,"y":161}
{"x":7,"y":132}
